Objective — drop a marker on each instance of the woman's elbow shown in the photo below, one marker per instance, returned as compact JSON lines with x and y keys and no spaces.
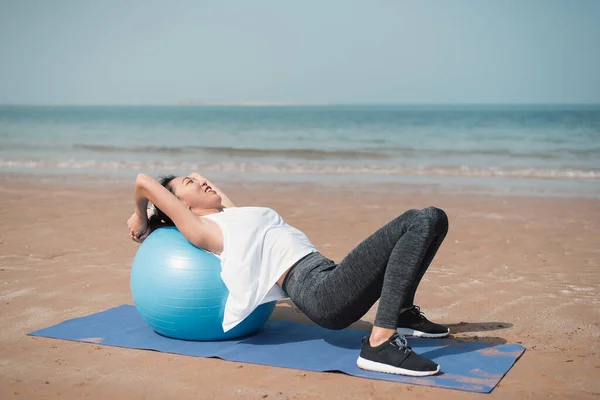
{"x":142,"y":181}
{"x":141,"y":178}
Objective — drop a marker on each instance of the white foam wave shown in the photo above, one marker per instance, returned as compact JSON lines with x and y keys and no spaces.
{"x":305,"y":168}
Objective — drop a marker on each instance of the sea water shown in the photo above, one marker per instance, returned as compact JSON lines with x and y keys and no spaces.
{"x":538,"y":149}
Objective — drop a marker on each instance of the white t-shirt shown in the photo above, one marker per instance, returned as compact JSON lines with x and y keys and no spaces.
{"x":258,"y":247}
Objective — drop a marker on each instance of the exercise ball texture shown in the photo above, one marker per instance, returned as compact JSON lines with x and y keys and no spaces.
{"x":178,"y":290}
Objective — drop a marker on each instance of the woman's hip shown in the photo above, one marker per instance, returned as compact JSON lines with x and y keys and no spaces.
{"x":330,"y":304}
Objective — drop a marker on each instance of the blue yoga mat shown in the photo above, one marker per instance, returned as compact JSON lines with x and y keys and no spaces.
{"x":469,"y":366}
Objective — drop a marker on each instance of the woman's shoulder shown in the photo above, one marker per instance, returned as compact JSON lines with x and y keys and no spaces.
{"x":249,"y":209}
{"x":253,"y":213}
{"x":244,"y":210}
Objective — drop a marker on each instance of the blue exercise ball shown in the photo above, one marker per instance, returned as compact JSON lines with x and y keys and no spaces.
{"x":177,"y":289}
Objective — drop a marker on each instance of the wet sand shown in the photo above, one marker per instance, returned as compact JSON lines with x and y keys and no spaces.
{"x":512,"y":270}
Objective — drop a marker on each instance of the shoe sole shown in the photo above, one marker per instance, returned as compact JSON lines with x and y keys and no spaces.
{"x":388,"y":369}
{"x":415,"y":333}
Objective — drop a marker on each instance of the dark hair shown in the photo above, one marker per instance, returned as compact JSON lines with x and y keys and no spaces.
{"x":160,"y":219}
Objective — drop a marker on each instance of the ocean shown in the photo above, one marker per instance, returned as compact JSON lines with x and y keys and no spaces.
{"x":498,"y":149}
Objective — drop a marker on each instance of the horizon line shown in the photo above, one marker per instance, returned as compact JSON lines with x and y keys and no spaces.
{"x":290,"y":104}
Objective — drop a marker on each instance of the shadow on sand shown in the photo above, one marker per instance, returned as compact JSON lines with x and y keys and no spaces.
{"x":286,"y":310}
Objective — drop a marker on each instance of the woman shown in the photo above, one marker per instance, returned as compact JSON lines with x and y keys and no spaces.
{"x":264,"y":259}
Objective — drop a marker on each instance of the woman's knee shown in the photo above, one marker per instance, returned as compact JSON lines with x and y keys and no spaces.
{"x":430,"y":220}
{"x":438,"y":219}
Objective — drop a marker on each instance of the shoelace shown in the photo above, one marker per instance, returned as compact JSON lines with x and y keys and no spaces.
{"x":401,"y":342}
{"x":417,"y":310}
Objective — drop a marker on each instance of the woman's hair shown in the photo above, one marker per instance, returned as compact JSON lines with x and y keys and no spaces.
{"x":160,"y":219}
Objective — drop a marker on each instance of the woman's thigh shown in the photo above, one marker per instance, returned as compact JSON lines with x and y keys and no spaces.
{"x":348,"y":290}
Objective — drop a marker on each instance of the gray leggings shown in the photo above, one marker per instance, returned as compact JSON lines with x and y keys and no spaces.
{"x":388,"y":266}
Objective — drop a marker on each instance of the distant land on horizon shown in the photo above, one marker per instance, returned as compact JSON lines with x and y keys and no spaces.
{"x":194,"y":103}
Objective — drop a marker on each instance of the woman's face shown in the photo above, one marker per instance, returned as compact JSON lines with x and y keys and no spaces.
{"x":194,"y":193}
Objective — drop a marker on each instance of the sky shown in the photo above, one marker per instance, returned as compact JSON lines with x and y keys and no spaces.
{"x":302,"y":52}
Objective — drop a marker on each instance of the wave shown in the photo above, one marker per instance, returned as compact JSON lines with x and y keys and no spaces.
{"x":295,"y":168}
{"x":234,"y":151}
{"x":298,"y":153}
{"x":133,"y":149}
{"x":557,"y":153}
{"x":379,"y":152}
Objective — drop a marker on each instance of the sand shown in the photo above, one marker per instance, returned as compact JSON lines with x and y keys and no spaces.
{"x":512,"y":270}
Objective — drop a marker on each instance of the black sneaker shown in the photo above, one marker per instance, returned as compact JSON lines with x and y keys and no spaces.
{"x":395,"y":357}
{"x":412,"y":322}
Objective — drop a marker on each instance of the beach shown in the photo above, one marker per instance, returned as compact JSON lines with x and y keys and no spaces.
{"x":340,"y":117}
{"x":513,"y":269}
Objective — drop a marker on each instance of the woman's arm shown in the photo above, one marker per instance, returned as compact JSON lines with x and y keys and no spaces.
{"x":147,"y":189}
{"x":225,"y":200}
